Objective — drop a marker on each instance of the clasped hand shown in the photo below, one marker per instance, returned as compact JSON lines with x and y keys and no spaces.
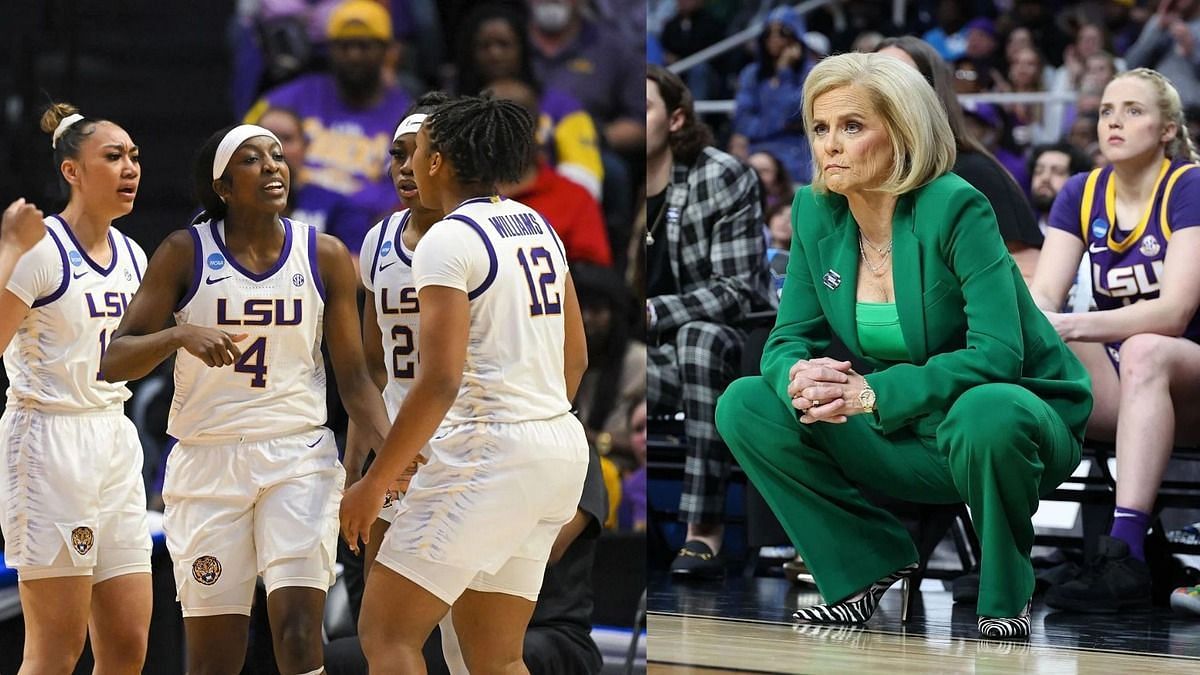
{"x":825,"y":390}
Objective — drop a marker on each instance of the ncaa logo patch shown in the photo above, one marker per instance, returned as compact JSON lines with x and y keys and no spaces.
{"x":1099,"y":228}
{"x":385,"y":249}
{"x":1149,"y":246}
{"x":216,"y":261}
{"x":206,"y":570}
{"x":82,"y":540}
{"x":75,"y":258}
{"x":297,"y":279}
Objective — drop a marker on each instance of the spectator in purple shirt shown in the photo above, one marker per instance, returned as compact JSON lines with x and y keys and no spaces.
{"x":349,"y":115}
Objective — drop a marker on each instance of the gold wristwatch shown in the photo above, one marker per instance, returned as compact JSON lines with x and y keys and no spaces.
{"x":866,"y":398}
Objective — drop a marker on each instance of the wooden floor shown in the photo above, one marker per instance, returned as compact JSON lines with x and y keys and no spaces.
{"x":742,"y":626}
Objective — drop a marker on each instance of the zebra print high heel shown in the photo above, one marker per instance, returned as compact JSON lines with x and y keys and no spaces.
{"x":859,"y":607}
{"x":1006,"y":627}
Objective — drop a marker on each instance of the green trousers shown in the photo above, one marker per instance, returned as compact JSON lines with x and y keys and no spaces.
{"x":998,"y":449}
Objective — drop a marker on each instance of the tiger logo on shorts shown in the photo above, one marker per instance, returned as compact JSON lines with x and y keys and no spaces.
{"x":206,"y":570}
{"x":82,"y":540}
{"x":389,"y":497}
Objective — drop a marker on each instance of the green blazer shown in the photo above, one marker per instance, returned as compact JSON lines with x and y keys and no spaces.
{"x":965,"y":312}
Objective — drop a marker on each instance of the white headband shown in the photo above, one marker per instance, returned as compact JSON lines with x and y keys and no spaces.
{"x":62,"y":127}
{"x":232,"y":141}
{"x":410,"y":125}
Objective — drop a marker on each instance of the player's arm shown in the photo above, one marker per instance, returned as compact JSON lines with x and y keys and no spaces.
{"x":575,"y":359}
{"x":21,"y":228}
{"x":1056,"y":267}
{"x":445,"y":324}
{"x":1169,"y":314}
{"x":357,"y":444}
{"x":359,"y":393}
{"x":143,"y":339}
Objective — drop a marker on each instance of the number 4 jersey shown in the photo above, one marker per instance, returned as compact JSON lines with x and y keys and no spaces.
{"x":510,"y":264}
{"x":277,"y":387}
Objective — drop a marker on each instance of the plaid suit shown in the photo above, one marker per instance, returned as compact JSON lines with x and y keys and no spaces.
{"x":714,"y":225}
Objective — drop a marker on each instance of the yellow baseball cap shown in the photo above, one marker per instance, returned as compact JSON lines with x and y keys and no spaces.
{"x":360,"y":20}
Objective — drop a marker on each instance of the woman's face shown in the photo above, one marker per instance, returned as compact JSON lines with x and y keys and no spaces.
{"x":107,"y":171}
{"x":401,"y":170}
{"x":1025,"y":70}
{"x":779,"y":37}
{"x":497,"y":50}
{"x":1131,"y":125}
{"x":765,"y":166}
{"x":257,"y":178}
{"x":422,"y":167}
{"x":851,"y":145}
{"x":1019,"y":39}
{"x":780,"y":229}
{"x":290,"y":134}
{"x":1089,"y":41}
{"x":1098,"y":69}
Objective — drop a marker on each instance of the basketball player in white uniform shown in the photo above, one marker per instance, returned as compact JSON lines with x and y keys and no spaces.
{"x":391,"y":319}
{"x":502,"y":352}
{"x":254,"y":483}
{"x":72,"y":500}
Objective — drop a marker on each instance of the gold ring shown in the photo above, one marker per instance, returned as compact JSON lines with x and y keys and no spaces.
{"x":816,"y":403}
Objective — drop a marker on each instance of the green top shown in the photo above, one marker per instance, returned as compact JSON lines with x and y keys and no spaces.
{"x":965,"y":312}
{"x":879,"y":331}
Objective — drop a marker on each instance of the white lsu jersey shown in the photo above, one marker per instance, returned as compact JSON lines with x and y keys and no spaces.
{"x":386,"y":268}
{"x":53,"y":361}
{"x":511,"y":264}
{"x":277,"y":387}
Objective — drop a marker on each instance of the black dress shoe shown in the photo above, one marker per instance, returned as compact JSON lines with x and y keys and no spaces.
{"x":697,"y":561}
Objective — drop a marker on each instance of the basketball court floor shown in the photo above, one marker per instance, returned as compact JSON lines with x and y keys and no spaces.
{"x":742,"y":625}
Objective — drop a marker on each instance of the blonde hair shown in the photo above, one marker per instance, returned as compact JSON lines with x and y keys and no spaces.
{"x":1171,"y":109}
{"x":919,"y":132}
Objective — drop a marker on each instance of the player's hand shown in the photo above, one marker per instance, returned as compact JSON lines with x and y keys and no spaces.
{"x":1064,"y":324}
{"x":22,"y":226}
{"x":360,"y":507}
{"x":214,"y":347}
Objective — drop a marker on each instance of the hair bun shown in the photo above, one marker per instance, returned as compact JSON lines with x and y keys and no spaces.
{"x":56,"y":113}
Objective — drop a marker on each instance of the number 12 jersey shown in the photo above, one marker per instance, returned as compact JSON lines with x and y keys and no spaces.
{"x":511,"y":265}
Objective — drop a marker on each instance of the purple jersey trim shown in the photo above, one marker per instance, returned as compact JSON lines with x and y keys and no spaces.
{"x":197,"y":268}
{"x":66,"y":273}
{"x":553,"y":235}
{"x":137,"y":269}
{"x":399,"y":242}
{"x":112,"y":246}
{"x":378,"y":248}
{"x":312,"y":259}
{"x":492,"y":264}
{"x":279,"y":263}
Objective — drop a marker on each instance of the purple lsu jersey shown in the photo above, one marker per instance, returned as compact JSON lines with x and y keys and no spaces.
{"x":1127,"y":264}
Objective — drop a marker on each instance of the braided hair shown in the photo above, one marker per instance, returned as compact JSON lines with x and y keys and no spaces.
{"x":488,"y":141}
{"x":1171,"y":109}
{"x":69,"y":144}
